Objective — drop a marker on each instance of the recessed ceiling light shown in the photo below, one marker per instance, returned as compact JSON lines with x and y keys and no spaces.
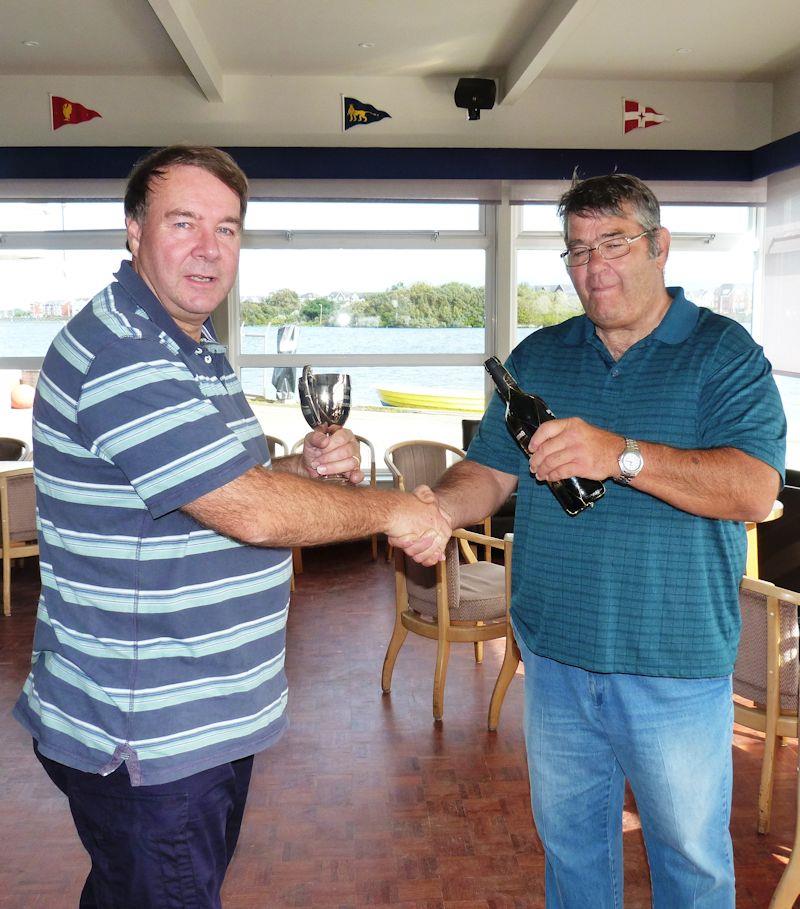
{"x":31,"y":43}
{"x":683,"y":50}
{"x":366,"y":44}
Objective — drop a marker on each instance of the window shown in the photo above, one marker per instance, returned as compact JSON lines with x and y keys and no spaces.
{"x":401,"y":294}
{"x":789,"y":387}
{"x":393,"y":293}
{"x":54,"y":257}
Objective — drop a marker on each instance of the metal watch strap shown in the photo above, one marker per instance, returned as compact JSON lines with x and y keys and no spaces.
{"x":625,"y":477}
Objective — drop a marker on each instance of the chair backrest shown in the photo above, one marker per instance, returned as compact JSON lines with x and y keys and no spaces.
{"x":13,"y":449}
{"x":420,"y":579}
{"x":274,"y":443}
{"x":17,"y":506}
{"x":412,"y":464}
{"x":420,"y":461}
{"x":768,"y":643}
{"x":370,"y":469}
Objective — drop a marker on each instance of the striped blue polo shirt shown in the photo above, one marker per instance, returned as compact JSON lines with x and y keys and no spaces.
{"x":158,"y":642}
{"x":634,"y":585}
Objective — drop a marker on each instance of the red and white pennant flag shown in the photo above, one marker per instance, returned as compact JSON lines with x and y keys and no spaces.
{"x":635,"y":115}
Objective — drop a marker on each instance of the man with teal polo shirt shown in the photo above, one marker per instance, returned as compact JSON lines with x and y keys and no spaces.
{"x":158,"y":657}
{"x":627,"y":615}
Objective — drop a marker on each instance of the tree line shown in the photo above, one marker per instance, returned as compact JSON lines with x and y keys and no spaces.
{"x":419,"y":305}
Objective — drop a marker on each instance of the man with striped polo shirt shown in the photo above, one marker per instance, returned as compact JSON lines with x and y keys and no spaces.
{"x":158,"y":657}
{"x":627,"y":615}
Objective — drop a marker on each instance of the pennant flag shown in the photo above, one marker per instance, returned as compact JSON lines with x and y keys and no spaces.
{"x":635,"y":115}
{"x":63,"y":111}
{"x":356,"y":113}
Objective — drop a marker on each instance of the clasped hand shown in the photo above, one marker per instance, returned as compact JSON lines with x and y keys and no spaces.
{"x":424,"y":529}
{"x":326,"y":454}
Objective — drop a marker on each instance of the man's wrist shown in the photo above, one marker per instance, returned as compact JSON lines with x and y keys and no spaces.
{"x":630,"y":462}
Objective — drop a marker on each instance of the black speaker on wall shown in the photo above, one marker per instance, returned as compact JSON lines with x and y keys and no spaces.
{"x":475,"y":95}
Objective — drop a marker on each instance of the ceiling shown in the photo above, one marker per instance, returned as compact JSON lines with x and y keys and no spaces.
{"x":514,"y":41}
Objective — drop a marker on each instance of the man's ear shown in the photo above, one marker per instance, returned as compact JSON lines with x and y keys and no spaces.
{"x":663,"y":239}
{"x":134,"y":231}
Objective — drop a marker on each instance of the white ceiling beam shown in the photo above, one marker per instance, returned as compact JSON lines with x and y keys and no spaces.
{"x":186,"y":33}
{"x":548,"y":35}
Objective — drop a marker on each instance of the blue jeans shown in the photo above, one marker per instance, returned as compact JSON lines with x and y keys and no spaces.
{"x":165,"y":846}
{"x":586,"y":733}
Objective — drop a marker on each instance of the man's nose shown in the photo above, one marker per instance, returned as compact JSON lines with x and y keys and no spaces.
{"x":207,"y":246}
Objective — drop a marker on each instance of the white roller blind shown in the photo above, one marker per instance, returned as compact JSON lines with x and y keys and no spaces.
{"x":378,"y":190}
{"x":668,"y":192}
{"x":520,"y":191}
{"x":781,"y":332}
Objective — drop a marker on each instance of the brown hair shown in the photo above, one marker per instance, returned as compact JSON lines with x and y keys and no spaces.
{"x":155,"y":164}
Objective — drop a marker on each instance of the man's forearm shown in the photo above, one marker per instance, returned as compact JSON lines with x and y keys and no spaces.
{"x":722,"y":483}
{"x":469,"y":492}
{"x":273,"y":508}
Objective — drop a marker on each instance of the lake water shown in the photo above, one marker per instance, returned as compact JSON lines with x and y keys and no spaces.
{"x":33,"y":337}
{"x":365,"y":380}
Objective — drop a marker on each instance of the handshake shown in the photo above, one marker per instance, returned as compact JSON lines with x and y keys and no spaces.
{"x":414,"y":522}
{"x":421,"y":527}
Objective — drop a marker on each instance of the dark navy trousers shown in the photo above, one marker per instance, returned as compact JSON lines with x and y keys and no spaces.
{"x":155,"y":847}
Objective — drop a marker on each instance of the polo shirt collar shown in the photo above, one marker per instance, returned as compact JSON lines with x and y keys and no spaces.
{"x":676,"y":326}
{"x":142,"y":296}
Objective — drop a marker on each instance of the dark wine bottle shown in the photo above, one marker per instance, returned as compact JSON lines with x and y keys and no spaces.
{"x":524,"y":414}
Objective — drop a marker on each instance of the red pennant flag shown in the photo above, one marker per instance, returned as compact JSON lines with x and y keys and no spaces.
{"x":636,"y":115}
{"x":64,"y":111}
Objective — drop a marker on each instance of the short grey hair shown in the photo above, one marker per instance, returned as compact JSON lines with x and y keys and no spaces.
{"x":606,"y":195}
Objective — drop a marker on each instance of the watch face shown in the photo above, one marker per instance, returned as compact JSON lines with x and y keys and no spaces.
{"x":631,"y":461}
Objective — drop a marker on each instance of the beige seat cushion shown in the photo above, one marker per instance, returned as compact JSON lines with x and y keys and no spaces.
{"x":481,"y":595}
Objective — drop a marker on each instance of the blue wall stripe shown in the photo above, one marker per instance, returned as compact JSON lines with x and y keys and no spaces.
{"x":779,"y":155}
{"x":114,"y":162}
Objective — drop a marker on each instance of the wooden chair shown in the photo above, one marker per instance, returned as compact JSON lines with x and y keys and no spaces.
{"x":788,"y":889}
{"x":369,"y":467}
{"x":421,"y":461}
{"x":17,"y":523}
{"x":455,"y":603}
{"x":766,"y":674}
{"x":371,"y":473}
{"x":13,"y":449}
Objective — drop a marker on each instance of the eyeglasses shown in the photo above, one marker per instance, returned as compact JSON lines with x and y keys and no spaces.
{"x":613,"y":248}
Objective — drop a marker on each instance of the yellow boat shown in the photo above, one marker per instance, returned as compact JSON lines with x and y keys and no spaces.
{"x":422,"y":399}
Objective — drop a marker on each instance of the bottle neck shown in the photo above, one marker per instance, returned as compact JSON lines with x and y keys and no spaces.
{"x":502,"y":378}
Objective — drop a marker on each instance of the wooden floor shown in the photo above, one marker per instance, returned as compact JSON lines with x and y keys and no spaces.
{"x":365,"y":802}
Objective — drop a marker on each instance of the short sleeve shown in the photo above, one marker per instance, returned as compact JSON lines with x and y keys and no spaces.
{"x":741,"y":408}
{"x":142,"y":410}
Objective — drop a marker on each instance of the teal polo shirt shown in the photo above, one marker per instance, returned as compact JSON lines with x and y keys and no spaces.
{"x":635,"y":585}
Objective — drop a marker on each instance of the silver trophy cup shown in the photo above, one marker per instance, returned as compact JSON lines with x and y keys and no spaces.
{"x":324,"y":399}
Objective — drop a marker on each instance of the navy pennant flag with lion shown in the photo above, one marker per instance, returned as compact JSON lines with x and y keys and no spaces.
{"x":356,"y":113}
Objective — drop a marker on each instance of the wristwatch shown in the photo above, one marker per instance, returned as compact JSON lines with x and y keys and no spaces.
{"x":630,"y":462}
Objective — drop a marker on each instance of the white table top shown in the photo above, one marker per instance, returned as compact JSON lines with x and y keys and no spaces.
{"x":8,"y":466}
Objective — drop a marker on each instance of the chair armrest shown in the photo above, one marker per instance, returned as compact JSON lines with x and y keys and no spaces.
{"x":480,"y":538}
{"x":465,"y":537}
{"x":766,"y":588}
